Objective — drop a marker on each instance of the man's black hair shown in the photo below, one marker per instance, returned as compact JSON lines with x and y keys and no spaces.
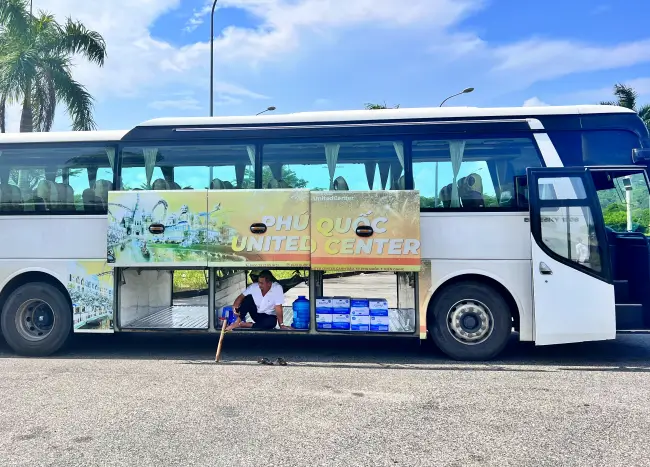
{"x":267,"y":275}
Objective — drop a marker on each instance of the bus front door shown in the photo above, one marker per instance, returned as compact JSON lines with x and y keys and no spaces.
{"x":573,"y":293}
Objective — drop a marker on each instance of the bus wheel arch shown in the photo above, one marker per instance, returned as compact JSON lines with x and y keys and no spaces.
{"x":45,"y":292}
{"x":483,"y":300}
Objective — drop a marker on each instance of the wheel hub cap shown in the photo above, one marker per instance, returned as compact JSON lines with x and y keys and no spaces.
{"x":470,"y":322}
{"x":35,"y":320}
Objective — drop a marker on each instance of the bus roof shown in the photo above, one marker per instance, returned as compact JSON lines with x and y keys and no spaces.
{"x":315,"y":117}
{"x":63,"y":137}
{"x":387,"y":114}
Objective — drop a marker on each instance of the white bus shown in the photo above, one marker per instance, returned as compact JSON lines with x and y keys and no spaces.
{"x":454,"y":224}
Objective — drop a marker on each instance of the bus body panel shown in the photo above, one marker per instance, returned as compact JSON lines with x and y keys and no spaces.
{"x":475,"y":236}
{"x":89,"y":284}
{"x":513,"y":275}
{"x":53,"y":237}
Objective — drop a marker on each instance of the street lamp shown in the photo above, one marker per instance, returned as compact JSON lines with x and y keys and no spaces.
{"x":268,"y":109}
{"x":627,"y":183}
{"x":464,"y":91}
{"x":214,"y":4}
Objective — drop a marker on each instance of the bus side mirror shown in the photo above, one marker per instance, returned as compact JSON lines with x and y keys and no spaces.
{"x":640,"y":156}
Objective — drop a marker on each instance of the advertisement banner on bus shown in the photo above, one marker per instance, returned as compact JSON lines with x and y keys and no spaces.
{"x":90,"y":285}
{"x":365,"y":231}
{"x":258,"y":228}
{"x":157,"y":228}
{"x":215,"y":228}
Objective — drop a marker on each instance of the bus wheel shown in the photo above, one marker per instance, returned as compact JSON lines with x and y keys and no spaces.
{"x":36,"y":319}
{"x":470,"y":321}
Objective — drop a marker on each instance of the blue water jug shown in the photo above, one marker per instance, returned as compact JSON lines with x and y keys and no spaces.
{"x":301,"y":313}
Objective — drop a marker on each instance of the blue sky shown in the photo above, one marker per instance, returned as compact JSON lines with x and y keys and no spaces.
{"x":301,"y":55}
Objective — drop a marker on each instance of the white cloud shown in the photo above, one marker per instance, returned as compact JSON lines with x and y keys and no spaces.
{"x":180,"y":104}
{"x":288,"y":31}
{"x":605,"y":93}
{"x":534,"y":102}
{"x":198,"y":17}
{"x":535,"y":59}
{"x":13,"y":118}
{"x":138,"y":63}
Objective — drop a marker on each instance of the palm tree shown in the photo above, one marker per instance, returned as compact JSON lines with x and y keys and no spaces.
{"x":35,"y":67}
{"x":626,"y":97}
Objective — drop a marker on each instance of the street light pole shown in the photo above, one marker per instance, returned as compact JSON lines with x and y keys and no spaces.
{"x":464,"y":91}
{"x":214,"y":4}
{"x":268,"y":109}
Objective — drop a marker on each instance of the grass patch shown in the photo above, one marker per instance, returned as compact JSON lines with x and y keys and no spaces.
{"x":190,"y":280}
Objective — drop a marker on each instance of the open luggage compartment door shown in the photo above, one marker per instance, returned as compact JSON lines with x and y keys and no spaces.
{"x":258,"y":229}
{"x":157,"y":229}
{"x":365,"y":230}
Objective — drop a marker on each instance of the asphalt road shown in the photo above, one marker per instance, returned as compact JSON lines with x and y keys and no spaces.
{"x":147,"y":400}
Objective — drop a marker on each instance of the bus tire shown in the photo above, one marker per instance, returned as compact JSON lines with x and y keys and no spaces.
{"x":470,"y":321}
{"x":36,"y":319}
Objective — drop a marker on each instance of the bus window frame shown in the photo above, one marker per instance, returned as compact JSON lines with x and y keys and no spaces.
{"x":436,"y":130}
{"x":63,"y":145}
{"x":408,"y":185}
{"x":492,"y":135}
{"x":166,"y":143}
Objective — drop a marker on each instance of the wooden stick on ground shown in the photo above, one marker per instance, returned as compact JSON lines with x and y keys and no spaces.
{"x":223,"y":332}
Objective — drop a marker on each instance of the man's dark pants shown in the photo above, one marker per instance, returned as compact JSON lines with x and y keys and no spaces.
{"x":261,"y":320}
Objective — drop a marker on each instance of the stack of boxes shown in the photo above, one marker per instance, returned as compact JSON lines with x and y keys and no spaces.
{"x":324,"y":313}
{"x":359,"y":315}
{"x":341,"y":313}
{"x":356,"y":314}
{"x":379,"y":321}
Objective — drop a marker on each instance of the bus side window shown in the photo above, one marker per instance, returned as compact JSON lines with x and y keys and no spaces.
{"x":341,"y":166}
{"x":56,"y":180}
{"x":188,"y":167}
{"x":474,"y":173}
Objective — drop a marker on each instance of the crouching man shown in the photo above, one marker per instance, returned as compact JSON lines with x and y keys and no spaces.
{"x":262,"y":302}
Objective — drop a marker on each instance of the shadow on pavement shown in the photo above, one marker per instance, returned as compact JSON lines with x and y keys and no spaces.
{"x":627,"y":353}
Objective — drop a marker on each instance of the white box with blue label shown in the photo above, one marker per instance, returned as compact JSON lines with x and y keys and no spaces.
{"x":379,"y":323}
{"x":359,"y":323}
{"x":378,"y":306}
{"x":359,"y":307}
{"x":324,"y":312}
{"x":341,"y":313}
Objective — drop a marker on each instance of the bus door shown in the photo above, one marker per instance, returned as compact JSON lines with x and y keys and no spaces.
{"x":573,"y":291}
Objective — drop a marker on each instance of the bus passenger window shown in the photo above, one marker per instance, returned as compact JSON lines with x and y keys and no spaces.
{"x":217,"y":167}
{"x":56,"y":180}
{"x":473,"y":173}
{"x":356,"y":166}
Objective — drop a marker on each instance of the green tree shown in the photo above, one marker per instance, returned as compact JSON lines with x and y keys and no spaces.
{"x":36,"y":67}
{"x":288,"y":175}
{"x":371,"y":106}
{"x":626,"y":97}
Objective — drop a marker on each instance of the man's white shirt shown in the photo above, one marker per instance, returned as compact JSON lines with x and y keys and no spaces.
{"x":266,"y":304}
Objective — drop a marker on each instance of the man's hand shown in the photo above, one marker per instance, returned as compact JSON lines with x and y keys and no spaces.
{"x":286,"y":328}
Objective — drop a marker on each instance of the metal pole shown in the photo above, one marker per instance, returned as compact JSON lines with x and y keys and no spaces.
{"x":464,"y":91}
{"x":450,"y":98}
{"x":628,"y":207}
{"x":214,"y":4}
